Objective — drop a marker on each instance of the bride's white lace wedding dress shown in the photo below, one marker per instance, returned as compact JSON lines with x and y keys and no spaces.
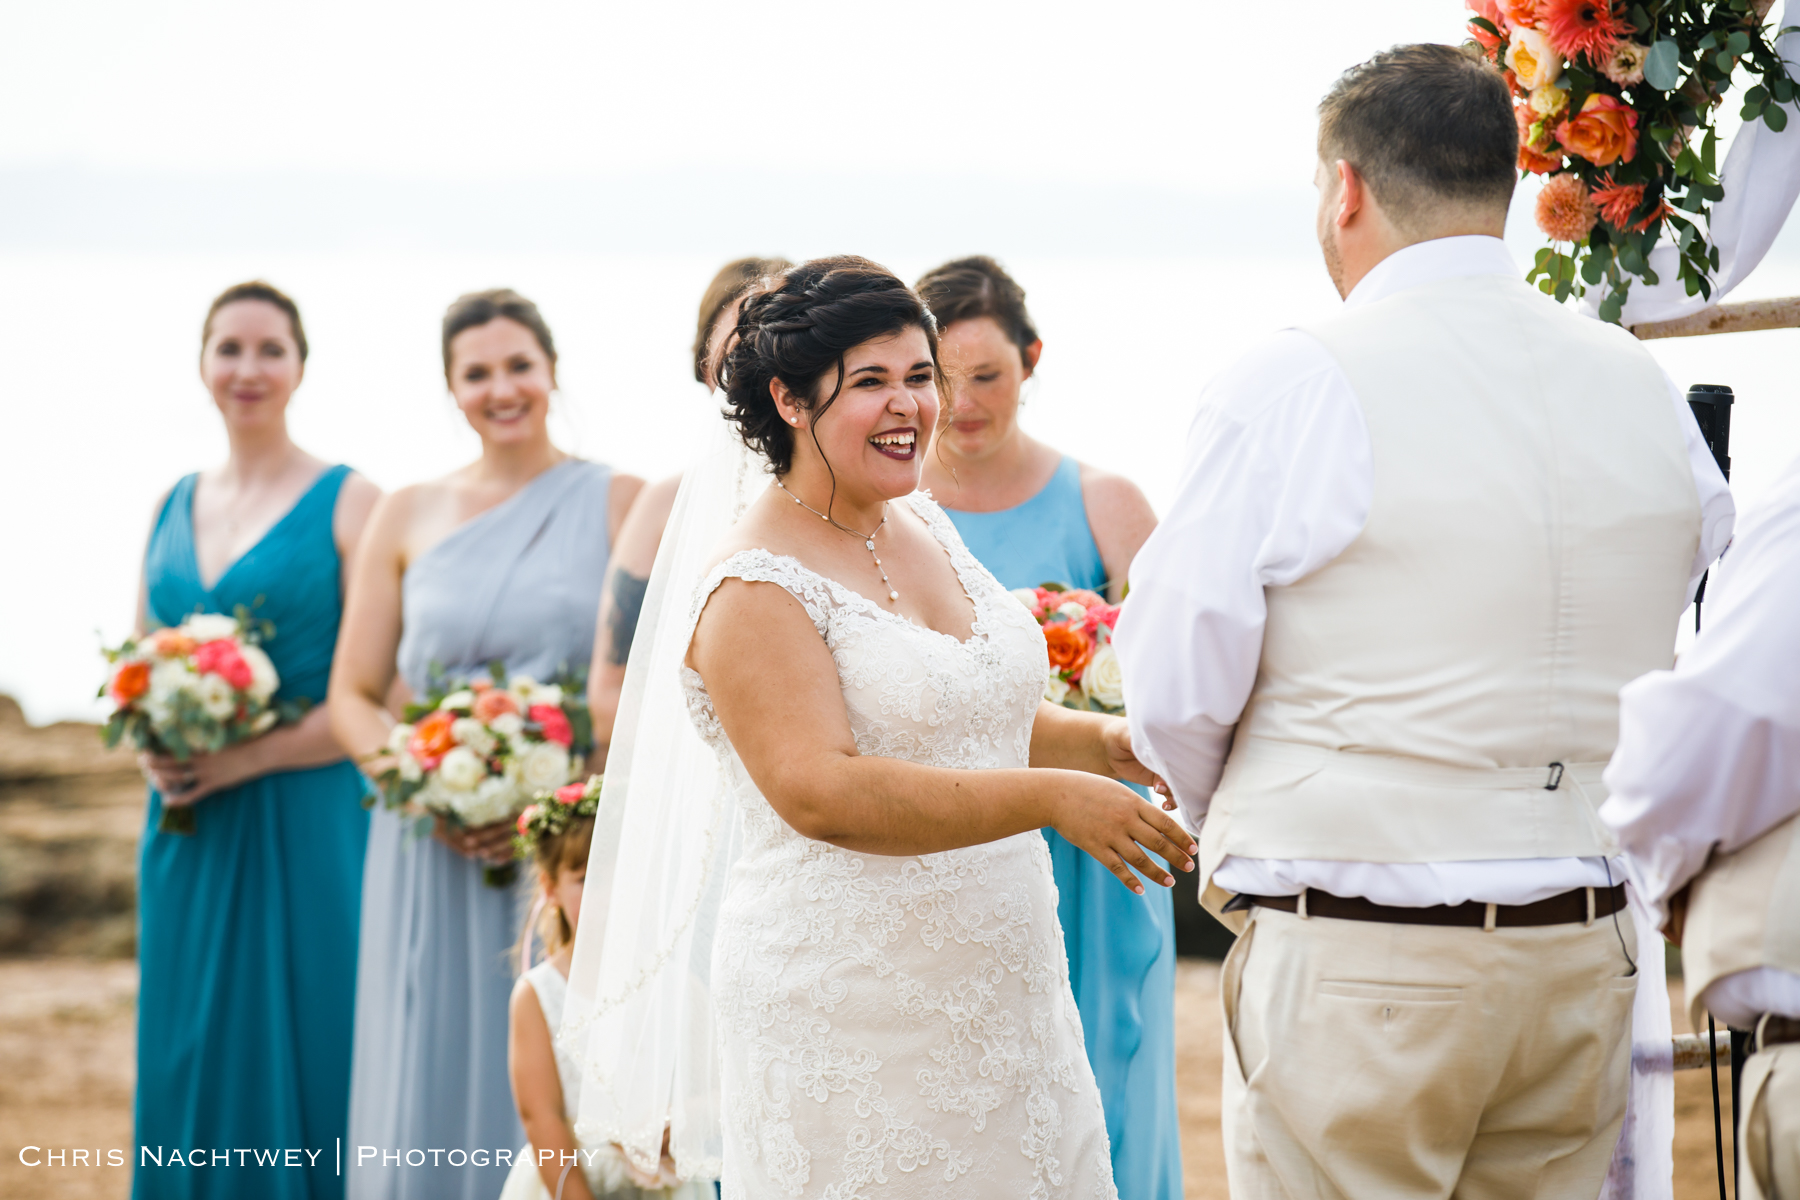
{"x":898,"y":1027}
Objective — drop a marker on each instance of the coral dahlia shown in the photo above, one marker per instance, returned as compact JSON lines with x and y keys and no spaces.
{"x":1617,"y":201}
{"x":1564,"y":211}
{"x":1582,"y":27}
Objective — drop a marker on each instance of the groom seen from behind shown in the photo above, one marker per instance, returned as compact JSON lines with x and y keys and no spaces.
{"x":1417,"y":549}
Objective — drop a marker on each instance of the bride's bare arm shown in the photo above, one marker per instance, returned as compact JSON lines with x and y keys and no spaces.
{"x":775,"y":689}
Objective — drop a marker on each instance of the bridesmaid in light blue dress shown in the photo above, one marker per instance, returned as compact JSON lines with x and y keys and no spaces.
{"x":1033,"y":516}
{"x":247,"y":926}
{"x":501,"y":561}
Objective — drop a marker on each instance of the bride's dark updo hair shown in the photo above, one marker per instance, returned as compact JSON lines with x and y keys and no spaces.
{"x":798,"y":331}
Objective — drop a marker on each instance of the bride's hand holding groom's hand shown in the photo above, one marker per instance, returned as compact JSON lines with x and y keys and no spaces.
{"x":1119,"y":829}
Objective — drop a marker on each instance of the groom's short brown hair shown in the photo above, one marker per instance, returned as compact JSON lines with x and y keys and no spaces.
{"x":1426,"y":126}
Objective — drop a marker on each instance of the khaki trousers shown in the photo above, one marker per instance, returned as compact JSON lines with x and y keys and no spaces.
{"x":1769,"y":1135}
{"x":1377,"y":1061}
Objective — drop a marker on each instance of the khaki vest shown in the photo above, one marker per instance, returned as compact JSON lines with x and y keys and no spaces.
{"x":1533,"y":523}
{"x":1743,"y":913}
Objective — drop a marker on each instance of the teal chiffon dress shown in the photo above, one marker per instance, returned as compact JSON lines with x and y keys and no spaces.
{"x":1121,"y":946}
{"x":247,"y":928}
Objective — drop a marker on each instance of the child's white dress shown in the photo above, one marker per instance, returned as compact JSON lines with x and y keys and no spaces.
{"x":603,"y":1165}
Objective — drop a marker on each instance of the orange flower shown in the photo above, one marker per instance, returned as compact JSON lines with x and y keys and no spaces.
{"x":1491,"y":11}
{"x":169,"y":643}
{"x":132,"y":681}
{"x":494,"y":703}
{"x":431,"y":739}
{"x":1564,"y":210}
{"x":1603,"y":132}
{"x":1582,"y":27}
{"x":1070,"y":648}
{"x":1617,"y":201}
{"x":1536,"y":154}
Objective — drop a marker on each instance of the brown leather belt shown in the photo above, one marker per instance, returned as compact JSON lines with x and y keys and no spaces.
{"x":1564,"y":909}
{"x":1777,"y":1031}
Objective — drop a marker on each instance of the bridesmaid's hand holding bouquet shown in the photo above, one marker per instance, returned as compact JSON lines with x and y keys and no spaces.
{"x":191,"y":691}
{"x":1083,"y":668}
{"x":473,"y":756}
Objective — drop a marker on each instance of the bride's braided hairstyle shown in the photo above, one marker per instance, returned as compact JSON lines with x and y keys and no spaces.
{"x":798,"y":330}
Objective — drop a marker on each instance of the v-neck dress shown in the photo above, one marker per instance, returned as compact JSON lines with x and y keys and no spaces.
{"x":247,"y":929}
{"x":1121,"y":946}
{"x":518,"y":584}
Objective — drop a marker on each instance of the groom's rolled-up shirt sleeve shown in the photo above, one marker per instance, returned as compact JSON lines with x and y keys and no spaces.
{"x":1277,"y":482}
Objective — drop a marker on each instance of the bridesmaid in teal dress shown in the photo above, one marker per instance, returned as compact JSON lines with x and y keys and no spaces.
{"x":499,"y":561}
{"x":1032,"y":516}
{"x":247,"y":927}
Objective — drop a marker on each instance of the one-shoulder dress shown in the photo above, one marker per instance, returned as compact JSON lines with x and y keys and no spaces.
{"x":519,"y":584}
{"x":247,"y":928}
{"x":1121,"y":946}
{"x":901,"y":1026}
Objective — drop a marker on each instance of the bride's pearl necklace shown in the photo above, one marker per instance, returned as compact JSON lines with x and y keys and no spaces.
{"x":868,"y":538}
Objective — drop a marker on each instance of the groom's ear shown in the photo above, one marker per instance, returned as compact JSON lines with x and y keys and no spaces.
{"x":1352,"y":193}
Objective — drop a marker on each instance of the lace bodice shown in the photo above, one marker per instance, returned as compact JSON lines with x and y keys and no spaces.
{"x":900,"y":1026}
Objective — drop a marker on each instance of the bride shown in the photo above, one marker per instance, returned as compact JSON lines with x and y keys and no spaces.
{"x":889,"y":995}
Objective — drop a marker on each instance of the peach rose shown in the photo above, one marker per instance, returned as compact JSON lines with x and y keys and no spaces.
{"x":431,"y":739}
{"x":172,"y":643}
{"x":131,"y":681}
{"x":1603,"y":132}
{"x":1070,"y":648}
{"x":493,"y":703}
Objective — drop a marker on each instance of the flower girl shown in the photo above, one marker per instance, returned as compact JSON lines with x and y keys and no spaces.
{"x":556,"y":833}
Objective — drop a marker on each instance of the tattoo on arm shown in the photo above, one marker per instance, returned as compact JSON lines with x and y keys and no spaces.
{"x":627,"y":605}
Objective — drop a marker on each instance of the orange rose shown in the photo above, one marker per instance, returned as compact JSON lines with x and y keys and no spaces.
{"x":1070,"y":648}
{"x":493,"y":703}
{"x":431,"y":739}
{"x":1603,"y":132}
{"x":132,"y":681}
{"x":169,"y":643}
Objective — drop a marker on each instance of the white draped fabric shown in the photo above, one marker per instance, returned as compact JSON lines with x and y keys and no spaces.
{"x":1761,"y":177}
{"x":639,"y":1012}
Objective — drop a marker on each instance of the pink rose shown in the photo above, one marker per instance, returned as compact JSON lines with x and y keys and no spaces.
{"x":525,"y":818}
{"x":568,"y":793}
{"x":554,"y":724}
{"x":221,"y":658}
{"x":490,"y":702}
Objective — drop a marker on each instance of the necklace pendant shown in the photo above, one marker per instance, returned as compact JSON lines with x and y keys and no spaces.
{"x":870,"y":544}
{"x":892,"y":595}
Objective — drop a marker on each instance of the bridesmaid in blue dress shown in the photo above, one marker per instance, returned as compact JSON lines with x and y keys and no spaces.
{"x":1033,"y":515}
{"x":247,"y":927}
{"x":503,"y":561}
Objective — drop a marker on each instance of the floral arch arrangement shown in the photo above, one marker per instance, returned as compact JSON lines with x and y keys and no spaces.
{"x":1617,"y":105}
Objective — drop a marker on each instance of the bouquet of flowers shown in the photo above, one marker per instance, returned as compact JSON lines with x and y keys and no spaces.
{"x":1616,"y":105}
{"x":194,"y":689}
{"x":478,"y":753}
{"x":1078,"y":624}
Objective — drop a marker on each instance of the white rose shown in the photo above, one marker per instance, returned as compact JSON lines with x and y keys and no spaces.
{"x":491,"y":801}
{"x":217,"y":697}
{"x":473,"y":734}
{"x":461,"y":770}
{"x":508,"y":725}
{"x":547,"y":694}
{"x":1026,"y":596}
{"x":1532,"y":59}
{"x":522,"y":686}
{"x":398,"y":736}
{"x":1072,"y":609}
{"x":209,"y":627}
{"x":263,"y":679}
{"x":169,"y":678}
{"x":1103,"y":679}
{"x":409,"y":767}
{"x":543,"y":766}
{"x":1055,"y":688}
{"x":462,"y":699}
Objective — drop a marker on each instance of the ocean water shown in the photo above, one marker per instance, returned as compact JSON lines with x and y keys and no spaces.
{"x":104,"y":407}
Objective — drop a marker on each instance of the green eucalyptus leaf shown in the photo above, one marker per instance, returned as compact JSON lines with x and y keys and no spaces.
{"x":1782,"y":89}
{"x":1662,"y":66}
{"x":1593,"y":270}
{"x":1546,"y":286}
{"x":1775,"y":118}
{"x":1738,"y":43}
{"x":1724,"y":61}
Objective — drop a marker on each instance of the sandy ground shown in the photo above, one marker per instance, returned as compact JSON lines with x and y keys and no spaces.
{"x":66,"y":1030}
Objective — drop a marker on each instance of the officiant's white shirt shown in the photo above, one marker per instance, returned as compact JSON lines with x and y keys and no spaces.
{"x":1278,"y":482}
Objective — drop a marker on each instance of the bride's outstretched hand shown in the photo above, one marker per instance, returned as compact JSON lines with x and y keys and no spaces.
{"x":1117,"y":828}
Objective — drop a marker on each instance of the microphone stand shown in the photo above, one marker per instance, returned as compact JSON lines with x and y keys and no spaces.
{"x":1711,"y":404}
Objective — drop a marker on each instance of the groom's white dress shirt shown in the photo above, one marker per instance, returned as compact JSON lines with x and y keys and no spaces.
{"x":1278,"y":482}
